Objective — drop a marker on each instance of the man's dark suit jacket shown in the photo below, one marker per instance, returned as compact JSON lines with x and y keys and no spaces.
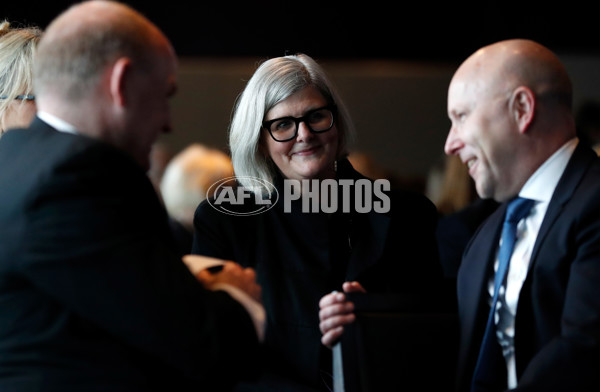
{"x":557,"y":326}
{"x":93,"y":295}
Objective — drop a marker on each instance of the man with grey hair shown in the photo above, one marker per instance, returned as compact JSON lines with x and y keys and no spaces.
{"x":92,"y":291}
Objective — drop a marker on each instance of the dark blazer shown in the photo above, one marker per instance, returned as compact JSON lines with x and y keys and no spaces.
{"x":299,"y":257}
{"x":557,"y":326}
{"x":93,"y":294}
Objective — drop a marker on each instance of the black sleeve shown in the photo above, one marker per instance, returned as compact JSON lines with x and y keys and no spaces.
{"x":210,"y":233}
{"x":224,"y":236}
{"x":96,"y":242}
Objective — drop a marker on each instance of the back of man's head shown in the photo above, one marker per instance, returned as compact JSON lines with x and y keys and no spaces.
{"x":82,"y":41}
{"x":108,"y":71}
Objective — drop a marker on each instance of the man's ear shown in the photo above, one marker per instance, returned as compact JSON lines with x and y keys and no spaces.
{"x":118,"y":73}
{"x":522,"y":106}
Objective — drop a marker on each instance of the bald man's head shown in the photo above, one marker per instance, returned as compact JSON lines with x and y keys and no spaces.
{"x":510,"y":107}
{"x":109,"y":72}
{"x":87,"y":37}
{"x":505,"y":65}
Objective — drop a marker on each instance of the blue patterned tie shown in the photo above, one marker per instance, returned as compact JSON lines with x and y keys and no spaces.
{"x":485,"y":376}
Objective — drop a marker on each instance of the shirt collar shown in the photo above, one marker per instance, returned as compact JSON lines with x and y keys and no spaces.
{"x":540,"y":186}
{"x":56,"y":123}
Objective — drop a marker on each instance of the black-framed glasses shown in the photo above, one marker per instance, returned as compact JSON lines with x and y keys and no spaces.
{"x":317,"y":120}
{"x":24,"y":97}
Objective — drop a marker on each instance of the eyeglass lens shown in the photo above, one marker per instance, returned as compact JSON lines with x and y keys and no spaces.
{"x":25,"y":97}
{"x":286,"y":128}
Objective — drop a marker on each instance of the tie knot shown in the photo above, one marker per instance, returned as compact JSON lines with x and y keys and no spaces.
{"x":518,"y":209}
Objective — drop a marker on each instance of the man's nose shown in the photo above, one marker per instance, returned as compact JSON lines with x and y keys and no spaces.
{"x":453,"y":142}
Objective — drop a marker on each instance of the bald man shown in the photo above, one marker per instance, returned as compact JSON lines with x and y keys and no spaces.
{"x":93,"y":294}
{"x":512,"y":125}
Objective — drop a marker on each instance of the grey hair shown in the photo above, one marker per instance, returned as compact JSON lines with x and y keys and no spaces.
{"x":17,"y":50}
{"x":274,"y":81}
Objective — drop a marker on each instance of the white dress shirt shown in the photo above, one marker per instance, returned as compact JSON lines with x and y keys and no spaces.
{"x":56,"y":123}
{"x":539,"y":187}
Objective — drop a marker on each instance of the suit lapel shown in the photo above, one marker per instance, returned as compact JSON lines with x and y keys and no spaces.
{"x":578,"y":165}
{"x":475,"y":271}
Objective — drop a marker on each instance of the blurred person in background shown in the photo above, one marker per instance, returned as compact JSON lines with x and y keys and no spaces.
{"x":461,"y":212}
{"x":17,"y":49}
{"x":186,"y":182}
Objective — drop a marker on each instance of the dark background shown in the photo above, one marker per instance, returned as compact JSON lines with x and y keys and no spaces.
{"x":392,"y":61}
{"x":419,"y":30}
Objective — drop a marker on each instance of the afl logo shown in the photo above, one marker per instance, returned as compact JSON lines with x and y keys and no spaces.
{"x":228,"y":194}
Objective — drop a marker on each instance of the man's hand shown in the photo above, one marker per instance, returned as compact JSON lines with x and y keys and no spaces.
{"x":335,"y":312}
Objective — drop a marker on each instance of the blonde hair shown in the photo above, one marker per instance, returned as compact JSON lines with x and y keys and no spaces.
{"x":274,"y":81}
{"x":17,"y":49}
{"x":188,"y":178}
{"x":457,"y":188}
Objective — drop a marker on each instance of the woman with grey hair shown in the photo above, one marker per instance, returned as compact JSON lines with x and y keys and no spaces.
{"x":273,"y":82}
{"x":306,"y":220}
{"x":17,"y":48}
